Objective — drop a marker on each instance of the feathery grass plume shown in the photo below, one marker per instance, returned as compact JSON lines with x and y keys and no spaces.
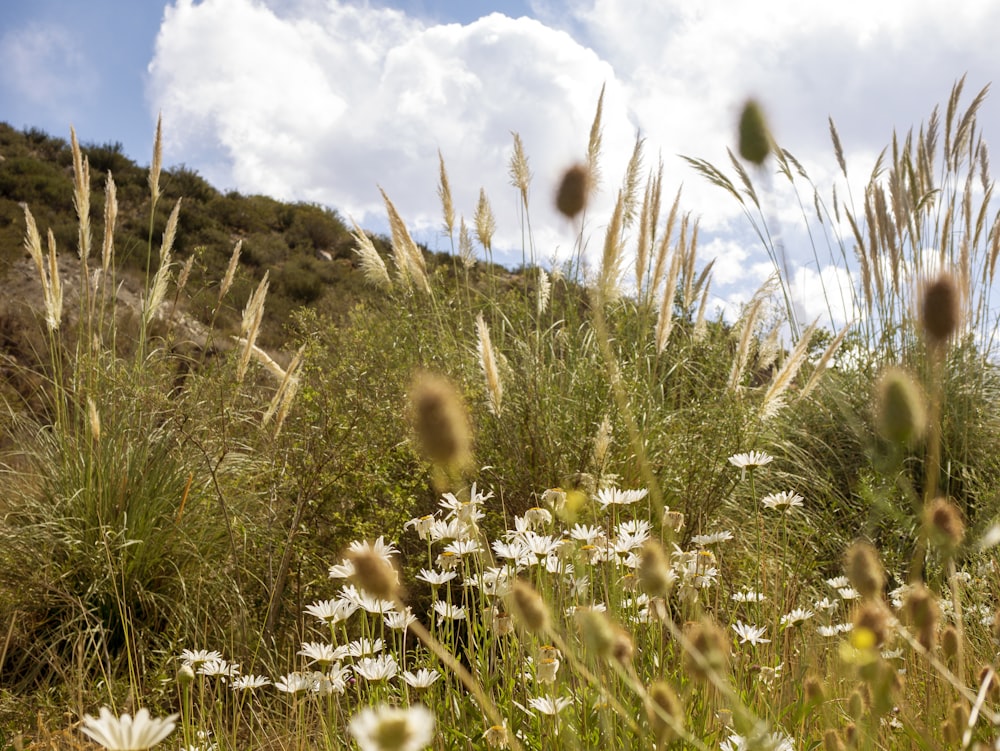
{"x":444,"y":193}
{"x":410,"y":266}
{"x":520,"y":175}
{"x":48,"y":271}
{"x":663,"y":250}
{"x":441,"y":424}
{"x":609,"y":278}
{"x":700,"y":323}
{"x":943,"y":525}
{"x":289,"y":383}
{"x":665,"y":320}
{"x":823,"y":362}
{"x":110,"y":219}
{"x":94,"y":418}
{"x":630,"y":185}
{"x":901,"y":409}
{"x":645,"y":239}
{"x":574,"y":190}
{"x":774,"y":396}
{"x":602,"y":443}
{"x":747,"y":325}
{"x":755,"y":141}
{"x":594,"y":145}
{"x":864,"y":570}
{"x":690,"y":284}
{"x":484,"y":221}
{"x":529,"y":608}
{"x":182,"y":278}
{"x":230,"y":275}
{"x":158,"y":288}
{"x":544,"y":291}
{"x":253,"y":314}
{"x":157,"y":163}
{"x":372,"y":265}
{"x":465,"y":250}
{"x":81,"y":196}
{"x":939,"y":311}
{"x":488,"y":362}
{"x":54,"y":301}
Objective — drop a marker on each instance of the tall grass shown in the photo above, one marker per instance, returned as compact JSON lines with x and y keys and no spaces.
{"x":647,"y":543}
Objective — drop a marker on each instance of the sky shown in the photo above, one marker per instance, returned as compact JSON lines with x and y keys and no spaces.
{"x":328,"y":101}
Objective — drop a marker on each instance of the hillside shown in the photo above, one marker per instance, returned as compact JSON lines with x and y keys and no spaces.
{"x":307,"y":248}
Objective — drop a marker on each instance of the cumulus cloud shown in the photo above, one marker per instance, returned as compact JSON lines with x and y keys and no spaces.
{"x":324,"y":100}
{"x":327,"y":105}
{"x":45,"y":64}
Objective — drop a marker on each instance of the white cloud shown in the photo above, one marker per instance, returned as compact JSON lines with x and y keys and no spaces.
{"x":322,"y":100}
{"x":330,"y":106}
{"x":46,"y":65}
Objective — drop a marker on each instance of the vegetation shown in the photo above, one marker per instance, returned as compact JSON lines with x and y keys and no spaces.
{"x":472,"y":507}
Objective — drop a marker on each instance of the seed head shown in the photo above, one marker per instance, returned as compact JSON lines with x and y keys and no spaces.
{"x":901,"y":408}
{"x":375,"y":574}
{"x":440,"y":422}
{"x":864,"y":569}
{"x":655,"y":576}
{"x":529,"y":607}
{"x":923,"y":612}
{"x":872,"y":617}
{"x":950,"y":643}
{"x":832,"y":741}
{"x":571,"y":198}
{"x":813,"y":689}
{"x":665,"y":712}
{"x":943,"y":524}
{"x":939,"y":312}
{"x":755,"y":141}
{"x":597,"y":630}
{"x":710,"y":649}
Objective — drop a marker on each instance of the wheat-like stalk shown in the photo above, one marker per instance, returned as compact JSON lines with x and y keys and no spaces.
{"x":54,"y":300}
{"x":608,"y":280}
{"x":110,"y":219}
{"x":234,"y":262}
{"x":485,"y":222}
{"x":81,"y":197}
{"x":488,"y":362}
{"x":665,"y":321}
{"x":372,"y":265}
{"x":158,"y":289}
{"x":444,"y":193}
{"x":824,"y":361}
{"x":253,"y":314}
{"x":410,"y":266}
{"x":774,"y":396}
{"x":520,"y":174}
{"x":594,"y":145}
{"x":157,"y":163}
{"x":465,"y":249}
{"x":544,"y":291}
{"x":747,"y":324}
{"x":48,"y":272}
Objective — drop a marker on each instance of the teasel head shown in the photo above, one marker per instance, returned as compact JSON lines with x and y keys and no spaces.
{"x":574,"y":189}
{"x":939,"y":309}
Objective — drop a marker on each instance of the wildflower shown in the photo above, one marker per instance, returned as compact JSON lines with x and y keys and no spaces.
{"x":399,"y":620}
{"x":587,"y":534}
{"x":436,"y":578}
{"x":711,"y":538}
{"x":492,"y":580}
{"x":750,"y":459}
{"x":219,"y":669}
{"x":769,"y":675}
{"x":423,"y":525}
{"x":546,"y":670}
{"x":615,"y":497}
{"x":423,"y":678}
{"x":554,"y":498}
{"x":199,"y":657}
{"x":538,"y":517}
{"x":318,"y":652}
{"x":747,"y":595}
{"x":326,"y":684}
{"x":835,"y":629}
{"x":380,"y":668}
{"x":126,"y":733}
{"x":365,"y":601}
{"x":448,"y":560}
{"x":838,"y":582}
{"x":362,"y":647}
{"x":549,"y":705}
{"x":332,"y":611}
{"x":248,"y":682}
{"x":342,"y":570}
{"x":462,"y":548}
{"x":799,"y":615}
{"x":496,"y":736}
{"x":673,"y":520}
{"x":784,"y":501}
{"x":749,"y":633}
{"x":388,"y":728}
{"x":448,"y":612}
{"x":848,"y":593}
{"x":294,"y":683}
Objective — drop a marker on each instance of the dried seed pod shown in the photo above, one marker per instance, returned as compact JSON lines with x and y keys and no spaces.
{"x":574,"y":189}
{"x":939,"y":311}
{"x":864,"y":570}
{"x":755,"y":141}
{"x":901,"y":408}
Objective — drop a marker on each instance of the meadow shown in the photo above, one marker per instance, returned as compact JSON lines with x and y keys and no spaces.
{"x":528,"y":509}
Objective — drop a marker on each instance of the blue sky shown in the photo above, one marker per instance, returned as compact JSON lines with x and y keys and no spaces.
{"x":328,"y":100}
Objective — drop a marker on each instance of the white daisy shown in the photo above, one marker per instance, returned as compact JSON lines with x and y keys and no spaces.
{"x":750,"y":634}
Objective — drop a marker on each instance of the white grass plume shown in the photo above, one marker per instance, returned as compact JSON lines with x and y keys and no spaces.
{"x":372,"y":265}
{"x":488,"y":362}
